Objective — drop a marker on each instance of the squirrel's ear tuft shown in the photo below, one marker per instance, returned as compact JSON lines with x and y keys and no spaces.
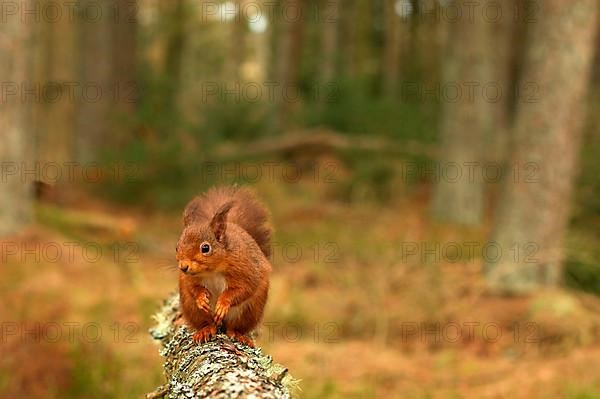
{"x":218,"y":224}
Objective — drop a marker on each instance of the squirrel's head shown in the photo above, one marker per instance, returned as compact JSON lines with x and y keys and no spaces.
{"x":202,"y":247}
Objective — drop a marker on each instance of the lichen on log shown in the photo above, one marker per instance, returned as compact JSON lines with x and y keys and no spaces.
{"x":220,"y":368}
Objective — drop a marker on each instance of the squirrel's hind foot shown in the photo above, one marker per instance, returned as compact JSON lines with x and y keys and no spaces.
{"x":241,"y":338}
{"x":204,"y":334}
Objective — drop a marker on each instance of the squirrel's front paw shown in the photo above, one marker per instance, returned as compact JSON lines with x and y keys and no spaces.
{"x":221,"y":309}
{"x":240,"y":338}
{"x":205,"y":334}
{"x":202,"y":301}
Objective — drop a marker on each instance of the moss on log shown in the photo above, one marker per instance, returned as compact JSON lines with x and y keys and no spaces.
{"x":221,"y":368}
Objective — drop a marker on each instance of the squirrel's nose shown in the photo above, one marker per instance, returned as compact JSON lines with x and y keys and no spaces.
{"x":184,"y":268}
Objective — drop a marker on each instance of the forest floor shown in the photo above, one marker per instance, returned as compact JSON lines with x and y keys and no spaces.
{"x":350,"y":312}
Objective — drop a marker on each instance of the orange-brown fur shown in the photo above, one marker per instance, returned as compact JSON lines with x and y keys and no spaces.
{"x":228,"y":286}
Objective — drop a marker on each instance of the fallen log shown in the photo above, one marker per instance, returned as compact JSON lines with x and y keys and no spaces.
{"x":221,"y":368}
{"x":316,"y":141}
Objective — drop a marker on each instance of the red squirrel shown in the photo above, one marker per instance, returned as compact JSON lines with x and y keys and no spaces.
{"x":224,"y":270}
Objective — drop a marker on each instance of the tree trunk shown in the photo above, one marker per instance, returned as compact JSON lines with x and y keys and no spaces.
{"x":429,"y":39}
{"x":236,"y":42}
{"x":176,"y":16}
{"x":57,"y":72}
{"x":125,"y":87}
{"x":220,"y":368}
{"x":289,"y":58}
{"x":502,"y":61}
{"x":15,"y":137}
{"x":358,"y":52}
{"x":533,"y":214}
{"x":329,"y":41}
{"x":466,"y":121}
{"x":93,"y":118}
{"x":262,"y":53}
{"x":395,"y":35}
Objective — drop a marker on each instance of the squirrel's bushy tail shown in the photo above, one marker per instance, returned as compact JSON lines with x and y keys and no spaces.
{"x":247,"y":212}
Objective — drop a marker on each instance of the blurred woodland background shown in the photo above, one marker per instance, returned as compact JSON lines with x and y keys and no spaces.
{"x":431,"y":166}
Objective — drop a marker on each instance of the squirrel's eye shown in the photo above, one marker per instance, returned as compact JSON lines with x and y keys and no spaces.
{"x":205,"y":248}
